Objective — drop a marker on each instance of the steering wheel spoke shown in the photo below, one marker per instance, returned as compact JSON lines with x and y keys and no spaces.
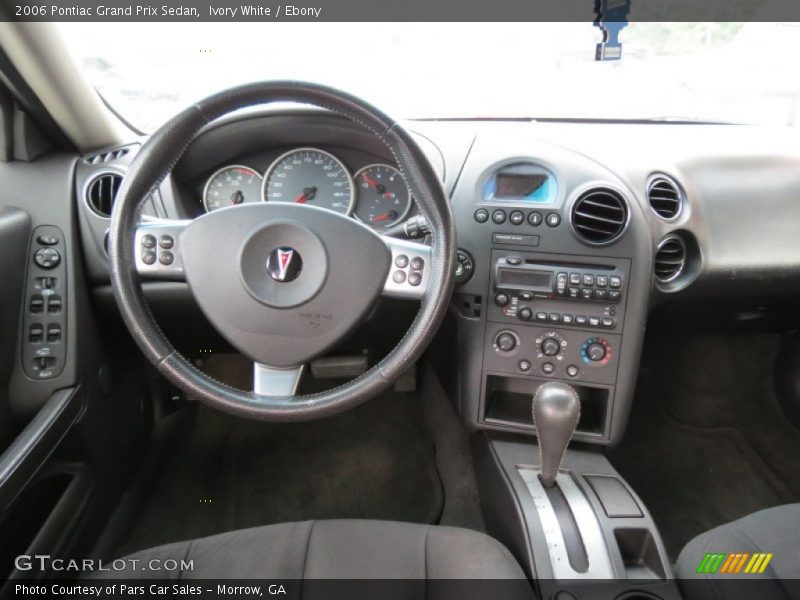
{"x":409,"y":274}
{"x":276,"y":381}
{"x":158,"y":251}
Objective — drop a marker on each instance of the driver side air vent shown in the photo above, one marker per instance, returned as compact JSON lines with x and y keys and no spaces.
{"x":104,"y":157}
{"x":599,"y":216}
{"x":102,"y":191}
{"x":670,"y":259}
{"x":665,"y":197}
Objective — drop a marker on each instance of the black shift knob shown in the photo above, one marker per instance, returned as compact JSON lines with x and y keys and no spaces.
{"x":556,"y":410}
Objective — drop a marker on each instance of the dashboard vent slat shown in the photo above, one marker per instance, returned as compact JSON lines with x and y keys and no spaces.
{"x":670,"y":259}
{"x":599,"y":216}
{"x":665,"y":197}
{"x":101,"y":193}
{"x":104,"y":157}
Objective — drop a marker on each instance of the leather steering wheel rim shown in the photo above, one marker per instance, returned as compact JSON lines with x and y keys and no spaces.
{"x":154,"y":162}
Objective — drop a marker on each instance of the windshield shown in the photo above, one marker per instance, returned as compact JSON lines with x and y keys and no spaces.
{"x":729,"y":72}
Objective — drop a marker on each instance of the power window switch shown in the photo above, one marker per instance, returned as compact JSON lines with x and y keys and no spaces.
{"x":36,"y":333}
{"x":37,"y":304}
{"x":44,"y":364}
{"x":54,"y":333}
{"x":54,"y":304}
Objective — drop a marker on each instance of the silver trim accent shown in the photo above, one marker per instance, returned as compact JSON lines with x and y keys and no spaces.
{"x":669,"y":238}
{"x":681,"y":195}
{"x":275,"y":162}
{"x":222,"y":170}
{"x":157,"y":270}
{"x":600,"y":564}
{"x":396,"y":246}
{"x":408,"y":205}
{"x":274,"y":381}
{"x":596,"y":185}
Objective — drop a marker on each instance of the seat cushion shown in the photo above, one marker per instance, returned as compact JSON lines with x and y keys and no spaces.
{"x":774,"y":530}
{"x":336,"y":549}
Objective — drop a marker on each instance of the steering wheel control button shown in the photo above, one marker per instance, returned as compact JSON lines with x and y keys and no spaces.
{"x":481,"y":215}
{"x":499,"y":217}
{"x":553,"y":220}
{"x":284,"y":264}
{"x":414,"y":279}
{"x":166,"y":258}
{"x":47,"y":240}
{"x":399,"y":277}
{"x":166,"y":242}
{"x":524,"y":366}
{"x":517,"y":217}
{"x":417,"y":263}
{"x":501,"y":299}
{"x":572,"y":371}
{"x":148,"y":241}
{"x":535,"y":219}
{"x":548,"y":368}
{"x":47,"y":258}
{"x":149,"y":257}
{"x":401,"y":261}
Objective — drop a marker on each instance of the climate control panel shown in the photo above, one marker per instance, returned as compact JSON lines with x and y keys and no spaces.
{"x":550,"y":352}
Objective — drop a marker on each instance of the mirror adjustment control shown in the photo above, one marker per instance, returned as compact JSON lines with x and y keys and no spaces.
{"x":47,"y":258}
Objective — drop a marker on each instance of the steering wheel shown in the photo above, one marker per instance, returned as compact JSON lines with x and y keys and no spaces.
{"x":281,"y":282}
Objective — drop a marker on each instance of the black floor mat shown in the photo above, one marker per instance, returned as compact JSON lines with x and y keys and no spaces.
{"x":376,"y":461}
{"x":707,"y":443}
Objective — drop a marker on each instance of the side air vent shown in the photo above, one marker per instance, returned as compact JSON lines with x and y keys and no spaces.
{"x":599,"y":216}
{"x":665,"y":197}
{"x":104,"y":157}
{"x":670,"y":259}
{"x":102,"y":191}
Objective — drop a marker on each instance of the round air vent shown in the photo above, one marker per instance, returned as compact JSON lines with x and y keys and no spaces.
{"x":670,"y":259}
{"x":599,"y":216}
{"x":665,"y":197}
{"x":102,"y":191}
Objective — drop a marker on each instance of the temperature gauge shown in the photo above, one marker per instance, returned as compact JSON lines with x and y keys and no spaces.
{"x":382,"y":197}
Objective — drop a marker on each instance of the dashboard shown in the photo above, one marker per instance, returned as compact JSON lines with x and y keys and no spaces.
{"x":571,"y":236}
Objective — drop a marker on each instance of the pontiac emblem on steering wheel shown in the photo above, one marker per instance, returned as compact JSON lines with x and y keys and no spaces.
{"x":284,"y":264}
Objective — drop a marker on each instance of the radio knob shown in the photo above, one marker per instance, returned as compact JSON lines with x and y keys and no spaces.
{"x":505,"y":341}
{"x":596,"y":351}
{"x":525,"y":313}
{"x":501,"y":299}
{"x":551,"y":347}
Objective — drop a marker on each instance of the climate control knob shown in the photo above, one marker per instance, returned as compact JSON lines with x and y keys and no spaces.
{"x":596,"y":351}
{"x":506,"y":341}
{"x":551,"y":347}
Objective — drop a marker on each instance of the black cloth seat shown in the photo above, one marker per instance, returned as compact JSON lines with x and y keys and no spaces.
{"x":774,"y":530}
{"x":339,"y":549}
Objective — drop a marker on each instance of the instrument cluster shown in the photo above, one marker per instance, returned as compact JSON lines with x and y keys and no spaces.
{"x":376,"y":194}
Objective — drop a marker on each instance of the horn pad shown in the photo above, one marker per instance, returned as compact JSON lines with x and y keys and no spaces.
{"x":283,"y":283}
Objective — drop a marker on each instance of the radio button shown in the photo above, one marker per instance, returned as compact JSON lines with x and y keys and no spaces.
{"x":554,"y":317}
{"x":561,"y":284}
{"x":499,"y":216}
{"x":513,"y":260}
{"x":525,"y":296}
{"x":586,"y":293}
{"x":602,"y":280}
{"x":608,"y":322}
{"x":541,"y":316}
{"x":535,"y":218}
{"x":614,"y":295}
{"x":594,"y":321}
{"x":574,"y":278}
{"x":481,"y":215}
{"x":615,"y":282}
{"x":600,"y":294}
{"x":567,"y":319}
{"x":588,"y":279}
{"x":574,"y":292}
{"x":517,"y":217}
{"x":553,"y":220}
{"x":501,"y":299}
{"x":580,"y":320}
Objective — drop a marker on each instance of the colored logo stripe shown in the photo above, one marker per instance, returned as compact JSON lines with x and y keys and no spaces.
{"x":722,"y":562}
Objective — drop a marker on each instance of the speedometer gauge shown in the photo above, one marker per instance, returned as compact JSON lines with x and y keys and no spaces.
{"x":382,"y":196}
{"x":230,"y":186}
{"x":309,"y":176}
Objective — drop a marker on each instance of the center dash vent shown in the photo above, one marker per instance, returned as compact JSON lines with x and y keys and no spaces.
{"x":665,"y":197}
{"x":599,"y":216}
{"x":102,"y":191}
{"x":670,"y":259}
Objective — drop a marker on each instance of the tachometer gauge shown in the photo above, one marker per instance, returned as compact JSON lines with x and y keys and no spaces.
{"x":230,"y":186}
{"x":309,"y":176}
{"x":382,"y":196}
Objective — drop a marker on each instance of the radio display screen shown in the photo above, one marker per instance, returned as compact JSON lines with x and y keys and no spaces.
{"x":518,"y":185}
{"x":528,"y":279}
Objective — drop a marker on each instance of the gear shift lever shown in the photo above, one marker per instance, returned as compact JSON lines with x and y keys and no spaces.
{"x":556,"y":410}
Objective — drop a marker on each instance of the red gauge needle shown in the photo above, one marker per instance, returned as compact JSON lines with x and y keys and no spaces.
{"x":308,"y":194}
{"x":301,"y":199}
{"x":370,"y":180}
{"x":387,"y":216}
